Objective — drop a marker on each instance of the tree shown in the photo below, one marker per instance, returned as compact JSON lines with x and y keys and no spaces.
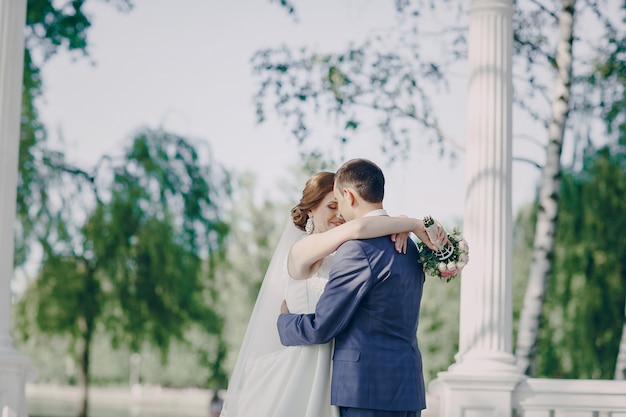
{"x":585,"y":299}
{"x":597,"y":181}
{"x":388,"y":78}
{"x":610,"y":77}
{"x":391,"y":78}
{"x":545,"y":227}
{"x":51,"y":27}
{"x":137,"y":256}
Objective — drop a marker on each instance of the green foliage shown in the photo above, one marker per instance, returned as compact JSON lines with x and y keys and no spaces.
{"x":392,"y":79}
{"x":129,"y":249}
{"x":438,"y":332}
{"x":155,"y":235}
{"x":287,"y":5}
{"x":51,"y":27}
{"x":35,"y":161}
{"x":386,"y":81}
{"x":586,"y":298}
{"x":584,"y":305}
{"x":364,"y":83}
{"x":610,"y":77}
{"x":140,"y":260}
{"x":523,"y":236}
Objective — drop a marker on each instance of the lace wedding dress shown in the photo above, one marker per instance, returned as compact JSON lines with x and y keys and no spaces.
{"x":274,"y":380}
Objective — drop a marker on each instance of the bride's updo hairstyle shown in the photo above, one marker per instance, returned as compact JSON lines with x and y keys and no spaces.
{"x":314,"y":192}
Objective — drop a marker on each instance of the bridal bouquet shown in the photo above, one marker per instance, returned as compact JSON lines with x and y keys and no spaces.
{"x":450,"y":259}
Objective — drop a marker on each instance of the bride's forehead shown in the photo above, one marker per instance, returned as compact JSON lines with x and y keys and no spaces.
{"x":329,"y":198}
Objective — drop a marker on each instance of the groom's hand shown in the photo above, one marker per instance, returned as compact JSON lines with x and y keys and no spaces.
{"x":283,"y":308}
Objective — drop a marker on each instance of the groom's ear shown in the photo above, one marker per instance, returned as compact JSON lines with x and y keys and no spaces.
{"x":350,"y":196}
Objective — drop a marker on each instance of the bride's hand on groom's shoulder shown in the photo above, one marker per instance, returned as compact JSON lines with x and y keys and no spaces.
{"x":399,"y":240}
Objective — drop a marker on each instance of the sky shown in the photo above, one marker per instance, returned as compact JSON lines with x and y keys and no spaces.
{"x":185,"y":66}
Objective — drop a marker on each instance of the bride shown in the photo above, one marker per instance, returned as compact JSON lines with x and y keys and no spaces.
{"x":270,"y":380}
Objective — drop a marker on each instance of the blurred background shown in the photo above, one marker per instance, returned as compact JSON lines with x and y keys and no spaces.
{"x":163,"y":144}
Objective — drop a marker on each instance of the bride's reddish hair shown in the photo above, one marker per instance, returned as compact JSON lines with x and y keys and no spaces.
{"x":315,"y":189}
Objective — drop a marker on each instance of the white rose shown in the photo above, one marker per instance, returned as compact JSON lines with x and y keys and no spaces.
{"x":461,"y":263}
{"x":441,"y":266}
{"x":451,"y":266}
{"x":463,"y":258}
{"x":463,"y":245}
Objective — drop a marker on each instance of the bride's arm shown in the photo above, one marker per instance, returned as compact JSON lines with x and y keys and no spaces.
{"x":310,"y":249}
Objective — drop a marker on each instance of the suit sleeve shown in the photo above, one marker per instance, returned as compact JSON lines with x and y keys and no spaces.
{"x":350,"y":278}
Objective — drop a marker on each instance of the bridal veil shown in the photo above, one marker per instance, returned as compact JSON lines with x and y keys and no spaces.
{"x":261,"y":336}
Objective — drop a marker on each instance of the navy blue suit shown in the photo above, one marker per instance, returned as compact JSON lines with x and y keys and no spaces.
{"x":370,"y":306}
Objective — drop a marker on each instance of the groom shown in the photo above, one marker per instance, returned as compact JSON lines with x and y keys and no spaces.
{"x":370,"y":306}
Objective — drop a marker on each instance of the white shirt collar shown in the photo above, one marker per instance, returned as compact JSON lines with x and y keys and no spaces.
{"x":378,"y":212}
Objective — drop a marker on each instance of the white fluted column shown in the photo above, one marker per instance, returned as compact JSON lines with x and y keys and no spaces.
{"x":486,"y":300}
{"x":484,"y":376}
{"x":14,"y":368}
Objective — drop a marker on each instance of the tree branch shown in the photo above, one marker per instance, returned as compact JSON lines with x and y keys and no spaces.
{"x":531,"y":139}
{"x":543,"y":8}
{"x":528,"y":161}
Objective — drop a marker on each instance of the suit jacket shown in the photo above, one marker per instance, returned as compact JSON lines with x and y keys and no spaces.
{"x":370,"y":306}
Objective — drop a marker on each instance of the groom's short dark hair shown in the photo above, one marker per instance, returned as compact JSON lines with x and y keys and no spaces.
{"x":365,"y":177}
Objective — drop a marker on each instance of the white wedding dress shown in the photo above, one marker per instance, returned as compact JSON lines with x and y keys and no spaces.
{"x":294,"y":381}
{"x":274,"y":380}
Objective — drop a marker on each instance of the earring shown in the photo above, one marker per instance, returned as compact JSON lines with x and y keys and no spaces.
{"x":308,"y":228}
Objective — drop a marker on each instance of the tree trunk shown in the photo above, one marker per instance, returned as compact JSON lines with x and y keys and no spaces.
{"x":620,"y":365}
{"x":543,"y":246}
{"x":85,"y":374}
